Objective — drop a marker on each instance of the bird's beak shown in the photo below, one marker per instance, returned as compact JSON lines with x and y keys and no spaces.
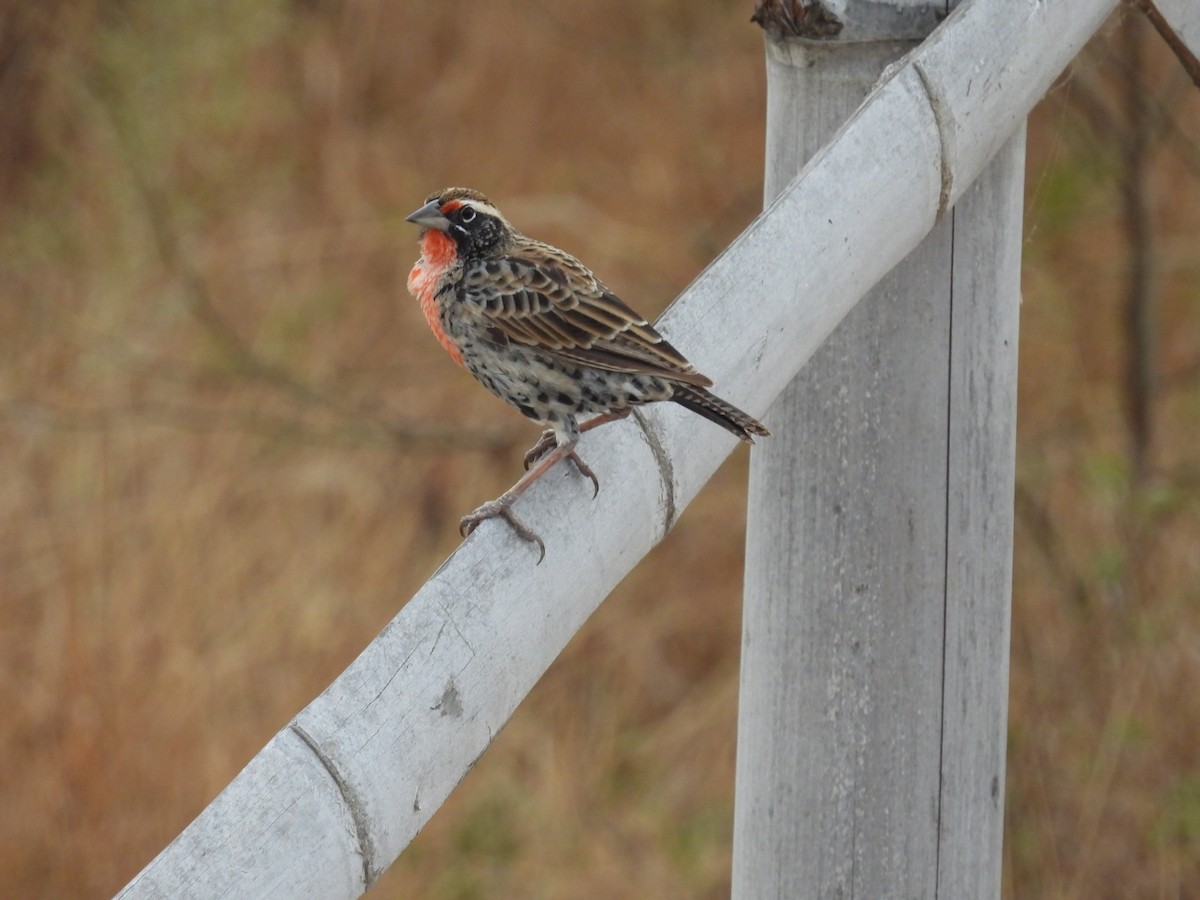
{"x":430,"y":215}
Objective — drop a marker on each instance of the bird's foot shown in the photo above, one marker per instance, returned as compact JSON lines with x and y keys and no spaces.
{"x":548,"y":442}
{"x":501,"y":508}
{"x":586,"y":471}
{"x":544,"y":445}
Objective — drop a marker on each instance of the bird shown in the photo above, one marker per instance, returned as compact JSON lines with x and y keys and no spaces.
{"x":539,"y":330}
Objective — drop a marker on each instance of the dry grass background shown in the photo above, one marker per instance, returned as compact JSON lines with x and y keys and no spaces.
{"x":232,"y":450}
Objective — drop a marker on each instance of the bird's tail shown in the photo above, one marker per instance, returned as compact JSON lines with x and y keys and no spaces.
{"x":713,"y":408}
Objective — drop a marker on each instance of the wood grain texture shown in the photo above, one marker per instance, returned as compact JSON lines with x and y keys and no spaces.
{"x":840,"y":699}
{"x":332,"y":800}
{"x":981,"y":454}
{"x":878,"y":570}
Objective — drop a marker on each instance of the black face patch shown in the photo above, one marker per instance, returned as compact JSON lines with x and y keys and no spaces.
{"x":477,"y":234}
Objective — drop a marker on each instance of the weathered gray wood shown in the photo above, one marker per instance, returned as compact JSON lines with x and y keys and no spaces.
{"x":981,"y":451}
{"x":874,"y":669}
{"x":335,"y":796}
{"x":840,"y":698}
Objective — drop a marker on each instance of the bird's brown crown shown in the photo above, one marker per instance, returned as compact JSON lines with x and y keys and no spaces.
{"x":445,"y":195}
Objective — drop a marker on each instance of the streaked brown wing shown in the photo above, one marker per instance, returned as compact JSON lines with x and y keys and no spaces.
{"x":542,"y":297}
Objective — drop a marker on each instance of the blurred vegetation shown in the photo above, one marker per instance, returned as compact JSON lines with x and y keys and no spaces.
{"x":233,"y":450}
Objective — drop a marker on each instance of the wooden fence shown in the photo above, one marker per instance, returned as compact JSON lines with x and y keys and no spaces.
{"x":874,"y":675}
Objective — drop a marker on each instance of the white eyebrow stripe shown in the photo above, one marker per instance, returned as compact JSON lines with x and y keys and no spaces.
{"x":484,"y":208}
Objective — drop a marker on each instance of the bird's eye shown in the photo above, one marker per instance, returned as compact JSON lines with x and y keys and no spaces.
{"x":468,"y":214}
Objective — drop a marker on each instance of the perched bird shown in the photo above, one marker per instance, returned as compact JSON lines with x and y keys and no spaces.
{"x":542,"y":333}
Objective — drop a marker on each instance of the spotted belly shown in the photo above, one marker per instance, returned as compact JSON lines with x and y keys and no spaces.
{"x":554,"y":392}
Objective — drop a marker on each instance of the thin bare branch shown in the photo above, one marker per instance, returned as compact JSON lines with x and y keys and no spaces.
{"x":1139,"y":229}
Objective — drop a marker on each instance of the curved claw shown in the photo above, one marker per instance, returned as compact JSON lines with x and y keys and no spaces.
{"x":544,"y":445}
{"x":586,"y":471}
{"x":499,"y":509}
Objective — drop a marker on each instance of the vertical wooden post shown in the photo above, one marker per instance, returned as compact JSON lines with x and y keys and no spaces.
{"x":871,"y":730}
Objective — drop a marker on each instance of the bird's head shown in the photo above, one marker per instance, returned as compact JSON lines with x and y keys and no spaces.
{"x":466,"y":217}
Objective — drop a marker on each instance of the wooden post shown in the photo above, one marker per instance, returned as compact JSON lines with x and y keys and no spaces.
{"x":871,"y":731}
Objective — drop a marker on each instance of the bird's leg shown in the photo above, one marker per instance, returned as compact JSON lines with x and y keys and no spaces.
{"x":585,"y":470}
{"x":548,"y":440}
{"x":501,"y":507}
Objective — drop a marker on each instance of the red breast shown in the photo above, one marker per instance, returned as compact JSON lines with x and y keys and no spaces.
{"x":437,"y":255}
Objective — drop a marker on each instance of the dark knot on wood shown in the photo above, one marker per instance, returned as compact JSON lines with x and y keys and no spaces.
{"x":796,"y":18}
